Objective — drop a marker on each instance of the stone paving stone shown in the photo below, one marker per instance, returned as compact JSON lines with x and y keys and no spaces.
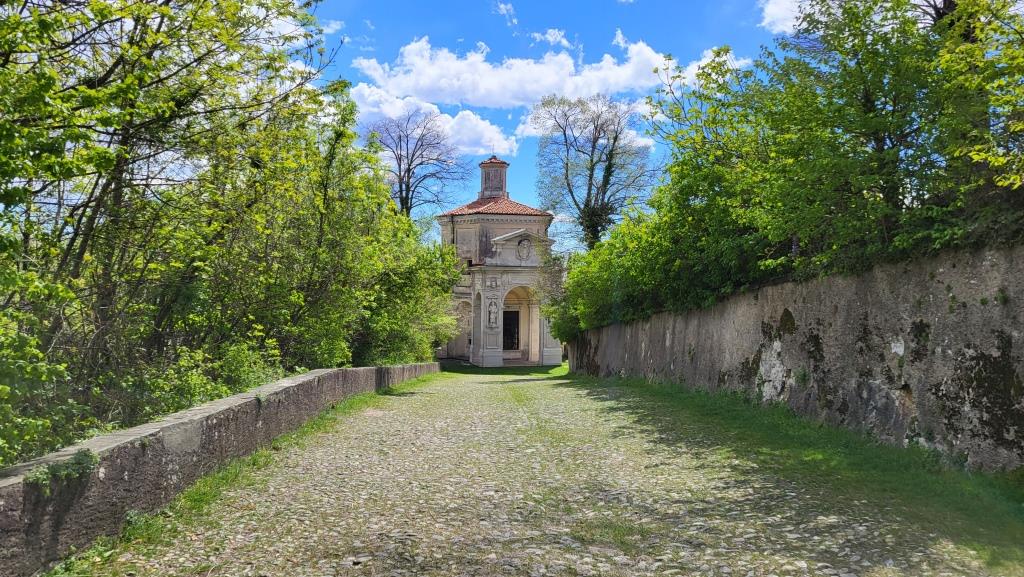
{"x":483,"y":475}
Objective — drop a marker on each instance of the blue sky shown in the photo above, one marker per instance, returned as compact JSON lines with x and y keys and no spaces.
{"x":481,"y":63}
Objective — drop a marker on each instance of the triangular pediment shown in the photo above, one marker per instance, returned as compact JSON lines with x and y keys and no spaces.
{"x":519,"y":234}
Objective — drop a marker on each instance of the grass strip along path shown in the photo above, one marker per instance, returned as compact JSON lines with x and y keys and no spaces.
{"x":535,"y":472}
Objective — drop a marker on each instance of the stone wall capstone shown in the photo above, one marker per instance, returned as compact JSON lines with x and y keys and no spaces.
{"x":926,"y":352}
{"x":141,"y":469}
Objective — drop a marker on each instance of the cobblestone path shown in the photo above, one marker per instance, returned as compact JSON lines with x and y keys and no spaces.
{"x":525,"y":475}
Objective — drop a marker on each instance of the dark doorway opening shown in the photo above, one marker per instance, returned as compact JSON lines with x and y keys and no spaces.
{"x":510,"y":331}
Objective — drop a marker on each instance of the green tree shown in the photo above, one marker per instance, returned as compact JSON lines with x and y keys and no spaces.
{"x":185,"y":216}
{"x":591,"y":162}
{"x":869,"y":134}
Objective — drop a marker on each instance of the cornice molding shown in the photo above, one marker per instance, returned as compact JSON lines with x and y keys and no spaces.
{"x":501,"y":218}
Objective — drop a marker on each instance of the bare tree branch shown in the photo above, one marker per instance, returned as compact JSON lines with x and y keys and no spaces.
{"x":421,"y":160}
{"x":591,"y":160}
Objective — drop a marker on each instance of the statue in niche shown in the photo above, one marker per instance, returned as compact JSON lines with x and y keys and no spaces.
{"x":492,"y":314}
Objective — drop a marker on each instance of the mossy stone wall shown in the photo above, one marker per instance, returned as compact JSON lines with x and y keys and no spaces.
{"x":925,"y":352}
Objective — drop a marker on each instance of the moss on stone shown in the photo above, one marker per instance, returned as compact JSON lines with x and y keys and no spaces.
{"x":920,"y":332}
{"x":815,"y":347}
{"x":787,"y":323}
{"x":988,"y":388}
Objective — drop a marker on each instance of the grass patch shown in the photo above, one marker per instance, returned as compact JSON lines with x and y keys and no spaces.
{"x":622,"y":534}
{"x":457,"y":367}
{"x":984,"y":512}
{"x":541,"y":428}
{"x":518,"y":395}
{"x":145,"y":531}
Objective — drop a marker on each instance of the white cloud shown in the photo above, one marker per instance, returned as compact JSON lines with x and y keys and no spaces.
{"x":526,"y":129}
{"x":332,"y":26}
{"x":369,"y":25}
{"x":626,"y":1}
{"x":423,"y":77}
{"x":301,"y":68}
{"x":620,"y":39}
{"x":640,"y":138}
{"x":689,"y":75}
{"x":474,"y":135}
{"x":442,"y":76}
{"x":375,"y":103}
{"x":552,"y":36}
{"x":470,"y":133}
{"x":285,"y":32}
{"x":361,"y":42}
{"x":779,"y":16}
{"x":508,"y":11}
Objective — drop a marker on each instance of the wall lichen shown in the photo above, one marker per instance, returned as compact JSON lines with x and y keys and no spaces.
{"x":988,"y":388}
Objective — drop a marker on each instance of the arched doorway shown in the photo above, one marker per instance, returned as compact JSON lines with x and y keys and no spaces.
{"x":520,"y":326}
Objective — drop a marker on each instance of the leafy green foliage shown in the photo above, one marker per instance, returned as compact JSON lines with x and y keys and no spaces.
{"x":185,"y":216}
{"x":80,"y":464}
{"x":985,"y":62}
{"x":243,"y":366}
{"x":871,"y":134}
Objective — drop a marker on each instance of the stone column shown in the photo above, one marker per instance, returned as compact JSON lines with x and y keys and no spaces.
{"x":476,"y":332}
{"x":551,"y":349}
{"x":535,"y":333}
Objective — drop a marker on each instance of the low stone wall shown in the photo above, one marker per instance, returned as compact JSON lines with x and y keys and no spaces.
{"x":143,"y":468}
{"x":924,"y":352}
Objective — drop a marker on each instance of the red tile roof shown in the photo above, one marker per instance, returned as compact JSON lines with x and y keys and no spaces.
{"x":496,"y":206}
{"x":494,"y":160}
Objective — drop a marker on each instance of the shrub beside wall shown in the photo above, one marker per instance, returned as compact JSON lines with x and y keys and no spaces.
{"x":66,"y":499}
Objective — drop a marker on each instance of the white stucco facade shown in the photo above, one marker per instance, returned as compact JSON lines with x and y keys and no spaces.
{"x":502,"y":243}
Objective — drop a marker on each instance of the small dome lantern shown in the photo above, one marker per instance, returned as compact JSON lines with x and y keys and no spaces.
{"x":492,"y":178}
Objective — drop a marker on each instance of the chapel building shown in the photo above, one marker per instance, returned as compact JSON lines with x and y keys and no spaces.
{"x":501,"y":242}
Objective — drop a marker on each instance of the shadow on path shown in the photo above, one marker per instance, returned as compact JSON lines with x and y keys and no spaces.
{"x":794,"y":462}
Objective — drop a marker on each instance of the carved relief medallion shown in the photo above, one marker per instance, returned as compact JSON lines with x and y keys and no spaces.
{"x":524,"y":249}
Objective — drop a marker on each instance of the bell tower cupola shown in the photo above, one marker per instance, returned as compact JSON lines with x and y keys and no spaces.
{"x":492,"y":178}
